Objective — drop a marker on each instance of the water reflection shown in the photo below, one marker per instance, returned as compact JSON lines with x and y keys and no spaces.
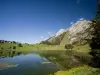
{"x":29,"y":64}
{"x":50,"y":60}
{"x":65,"y":59}
{"x":9,"y":53}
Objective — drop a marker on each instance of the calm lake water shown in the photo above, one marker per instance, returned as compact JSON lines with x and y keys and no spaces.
{"x":29,"y":64}
{"x":41,"y":62}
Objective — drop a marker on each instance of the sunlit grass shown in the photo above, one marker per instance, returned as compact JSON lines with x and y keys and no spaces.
{"x":82,"y":48}
{"x":82,"y":70}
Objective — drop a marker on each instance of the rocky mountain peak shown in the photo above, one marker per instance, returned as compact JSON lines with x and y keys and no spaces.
{"x":61,"y":31}
{"x":78,"y":30}
{"x":79,"y":26}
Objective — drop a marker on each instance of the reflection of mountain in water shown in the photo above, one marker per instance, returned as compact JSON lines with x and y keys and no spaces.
{"x":65,"y":59}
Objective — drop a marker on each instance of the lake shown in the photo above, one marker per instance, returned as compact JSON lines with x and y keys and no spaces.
{"x":29,"y":64}
{"x":39,"y":62}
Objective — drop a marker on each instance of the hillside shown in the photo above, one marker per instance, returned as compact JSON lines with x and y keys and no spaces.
{"x":65,"y":39}
{"x":77,"y":33}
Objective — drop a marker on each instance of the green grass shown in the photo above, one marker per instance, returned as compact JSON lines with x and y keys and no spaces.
{"x":6,"y":46}
{"x":6,"y":49}
{"x":65,"y":39}
{"x":29,"y":47}
{"x":82,"y":70}
{"x":82,"y":48}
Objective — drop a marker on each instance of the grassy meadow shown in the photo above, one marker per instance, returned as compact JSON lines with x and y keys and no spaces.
{"x":28,"y":47}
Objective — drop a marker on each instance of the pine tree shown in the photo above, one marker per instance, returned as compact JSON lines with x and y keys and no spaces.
{"x":95,"y":41}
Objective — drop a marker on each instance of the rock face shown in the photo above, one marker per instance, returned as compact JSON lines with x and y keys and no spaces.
{"x":77,"y":33}
{"x":61,"y":31}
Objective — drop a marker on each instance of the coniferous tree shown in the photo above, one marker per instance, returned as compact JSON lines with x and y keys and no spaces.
{"x":95,"y":41}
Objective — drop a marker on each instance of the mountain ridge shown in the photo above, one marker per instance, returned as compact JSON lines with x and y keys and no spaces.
{"x":77,"y":33}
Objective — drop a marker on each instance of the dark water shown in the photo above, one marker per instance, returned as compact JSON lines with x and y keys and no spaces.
{"x":43,"y":62}
{"x":29,"y":64}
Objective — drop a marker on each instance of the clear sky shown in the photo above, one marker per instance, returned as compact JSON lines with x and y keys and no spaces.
{"x":33,"y":20}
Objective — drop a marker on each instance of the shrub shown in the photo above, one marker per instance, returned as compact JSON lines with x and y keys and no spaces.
{"x":11,"y":42}
{"x":14,"y":42}
{"x":68,"y":46}
{"x":14,"y":47}
{"x":1,"y":48}
{"x":20,"y":45}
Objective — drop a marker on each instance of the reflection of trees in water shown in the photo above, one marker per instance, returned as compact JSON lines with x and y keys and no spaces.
{"x":13,"y":53}
{"x":9,"y":53}
{"x":19,"y":53}
{"x":1,"y":53}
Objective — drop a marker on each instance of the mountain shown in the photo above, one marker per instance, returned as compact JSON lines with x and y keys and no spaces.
{"x":78,"y":33}
{"x":61,"y":31}
{"x":56,"y":39}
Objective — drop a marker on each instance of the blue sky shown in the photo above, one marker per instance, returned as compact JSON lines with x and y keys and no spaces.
{"x":33,"y":20}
